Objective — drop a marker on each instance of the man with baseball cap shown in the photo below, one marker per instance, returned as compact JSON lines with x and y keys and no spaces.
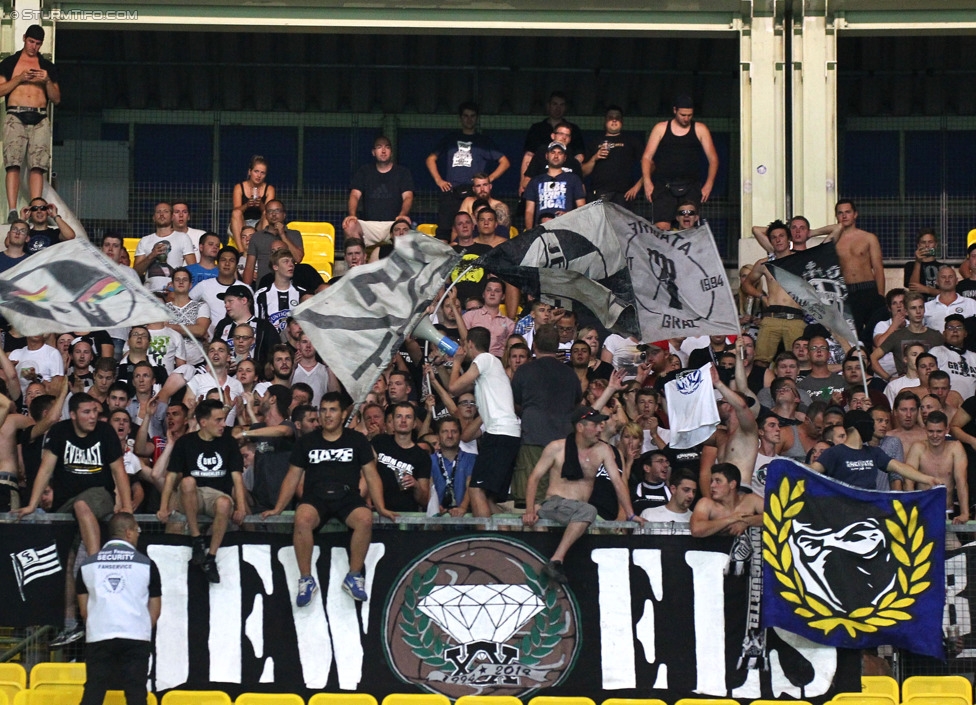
{"x":28,"y":81}
{"x":572,"y":464}
{"x":556,"y":189}
{"x":239,"y":304}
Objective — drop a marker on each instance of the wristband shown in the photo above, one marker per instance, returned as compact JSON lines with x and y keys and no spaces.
{"x":631,"y":517}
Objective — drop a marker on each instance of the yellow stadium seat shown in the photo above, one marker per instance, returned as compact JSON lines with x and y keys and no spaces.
{"x":556,"y":700}
{"x":50,"y":695}
{"x":197,"y":697}
{"x":970,"y":238}
{"x":936,"y":699}
{"x":342,"y":699}
{"x":13,"y":673}
{"x":428,"y":229}
{"x":130,"y":244}
{"x":489,"y":700}
{"x":880,"y":685}
{"x":633,"y":701}
{"x":937,"y":685}
{"x":4,"y":700}
{"x":269,"y":699}
{"x":416,"y":699}
{"x":779,"y":702}
{"x":704,"y":701}
{"x":512,"y":232}
{"x":51,"y":673}
{"x":319,"y":240}
{"x":9,"y":689}
{"x":863,"y":699}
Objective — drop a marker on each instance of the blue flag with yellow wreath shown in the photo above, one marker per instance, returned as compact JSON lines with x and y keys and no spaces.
{"x":853,"y":568}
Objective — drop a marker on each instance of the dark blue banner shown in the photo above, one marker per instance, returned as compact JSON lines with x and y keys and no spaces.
{"x":853,"y":568}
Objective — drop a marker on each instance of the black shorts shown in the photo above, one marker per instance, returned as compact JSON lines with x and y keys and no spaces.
{"x":495,"y":465}
{"x":665,"y":204}
{"x":340,"y":505}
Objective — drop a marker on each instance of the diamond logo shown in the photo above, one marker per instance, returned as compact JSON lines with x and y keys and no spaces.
{"x":475,"y":616}
{"x":472,"y":613}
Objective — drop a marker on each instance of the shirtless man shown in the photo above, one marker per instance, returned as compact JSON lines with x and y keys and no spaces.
{"x":726,"y":510}
{"x":940,"y":386}
{"x":861,"y":265}
{"x":800,"y":233}
{"x":27,"y":81}
{"x":570,"y":487}
{"x":783,"y":320}
{"x":487,"y":223}
{"x":741,"y":439}
{"x":481,"y":190}
{"x":945,"y":461}
{"x":905,"y":426}
{"x":10,"y":473}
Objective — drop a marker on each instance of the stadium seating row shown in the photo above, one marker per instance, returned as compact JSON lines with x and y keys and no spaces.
{"x":62,"y":684}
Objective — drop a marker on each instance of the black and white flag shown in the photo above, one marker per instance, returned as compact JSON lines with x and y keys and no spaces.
{"x":73,"y":286}
{"x":812,"y":278}
{"x":358,"y":324}
{"x":576,"y":256}
{"x":33,"y":563}
{"x":678,"y":279}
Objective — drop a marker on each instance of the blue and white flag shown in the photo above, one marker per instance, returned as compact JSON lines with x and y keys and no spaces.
{"x":853,"y":568}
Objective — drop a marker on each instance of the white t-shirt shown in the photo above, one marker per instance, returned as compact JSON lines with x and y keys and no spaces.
{"x":207,"y":291}
{"x":317,"y":378}
{"x":662,"y":513}
{"x":180,"y":245}
{"x":898,"y":384}
{"x":936,"y":311}
{"x":887,"y":361}
{"x":203,"y":382}
{"x":46,"y":362}
{"x":166,"y":346}
{"x":493,"y":394}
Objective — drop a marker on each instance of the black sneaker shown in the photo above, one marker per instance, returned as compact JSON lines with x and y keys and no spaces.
{"x":199,"y":551}
{"x":68,"y":636}
{"x":209,"y":568}
{"x":12,"y":216}
{"x":554,"y":571}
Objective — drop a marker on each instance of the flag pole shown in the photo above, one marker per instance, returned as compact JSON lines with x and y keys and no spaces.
{"x":206,"y":360}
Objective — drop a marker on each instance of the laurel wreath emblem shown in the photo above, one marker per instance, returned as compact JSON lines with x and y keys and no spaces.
{"x":908,"y":546}
{"x":419,"y":634}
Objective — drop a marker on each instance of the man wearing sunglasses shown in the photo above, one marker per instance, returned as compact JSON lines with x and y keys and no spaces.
{"x":42,"y":216}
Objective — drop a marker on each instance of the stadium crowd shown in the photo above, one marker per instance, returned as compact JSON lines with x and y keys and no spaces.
{"x":226,"y":409}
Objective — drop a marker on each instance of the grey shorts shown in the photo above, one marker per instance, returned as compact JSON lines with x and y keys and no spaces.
{"x":98,"y":499}
{"x":20,"y":140}
{"x":567,"y":511}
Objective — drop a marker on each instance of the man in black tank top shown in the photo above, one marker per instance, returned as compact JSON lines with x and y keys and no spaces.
{"x":671,"y":162}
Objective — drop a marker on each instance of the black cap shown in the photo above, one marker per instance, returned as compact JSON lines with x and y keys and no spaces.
{"x":239,"y":290}
{"x":648,"y":457}
{"x":684,"y":102}
{"x":955,"y":317}
{"x":861,"y":422}
{"x":588,"y":413}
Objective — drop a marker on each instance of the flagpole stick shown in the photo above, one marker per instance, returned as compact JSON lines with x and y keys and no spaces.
{"x":451,"y":286}
{"x":864,"y":376}
{"x":206,"y":360}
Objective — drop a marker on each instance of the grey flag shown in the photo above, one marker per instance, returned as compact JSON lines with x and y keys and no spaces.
{"x":678,"y":278}
{"x":73,"y":286}
{"x":825,"y":311}
{"x":357,"y":324}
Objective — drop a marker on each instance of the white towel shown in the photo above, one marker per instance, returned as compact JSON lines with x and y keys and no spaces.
{"x":691,"y":407}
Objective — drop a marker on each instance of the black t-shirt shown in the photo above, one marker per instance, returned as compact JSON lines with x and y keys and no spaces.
{"x":392,"y":461}
{"x":82,"y":463}
{"x":966,"y":287}
{"x":472,"y":283}
{"x":210,"y":463}
{"x":271,"y":456}
{"x":647,"y":495}
{"x":30,"y":450}
{"x":929,"y":276}
{"x":382,"y":197}
{"x":39,"y":239}
{"x":616,"y":172}
{"x":540,"y":135}
{"x":538,"y":164}
{"x":332,"y":467}
{"x":603,"y":496}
